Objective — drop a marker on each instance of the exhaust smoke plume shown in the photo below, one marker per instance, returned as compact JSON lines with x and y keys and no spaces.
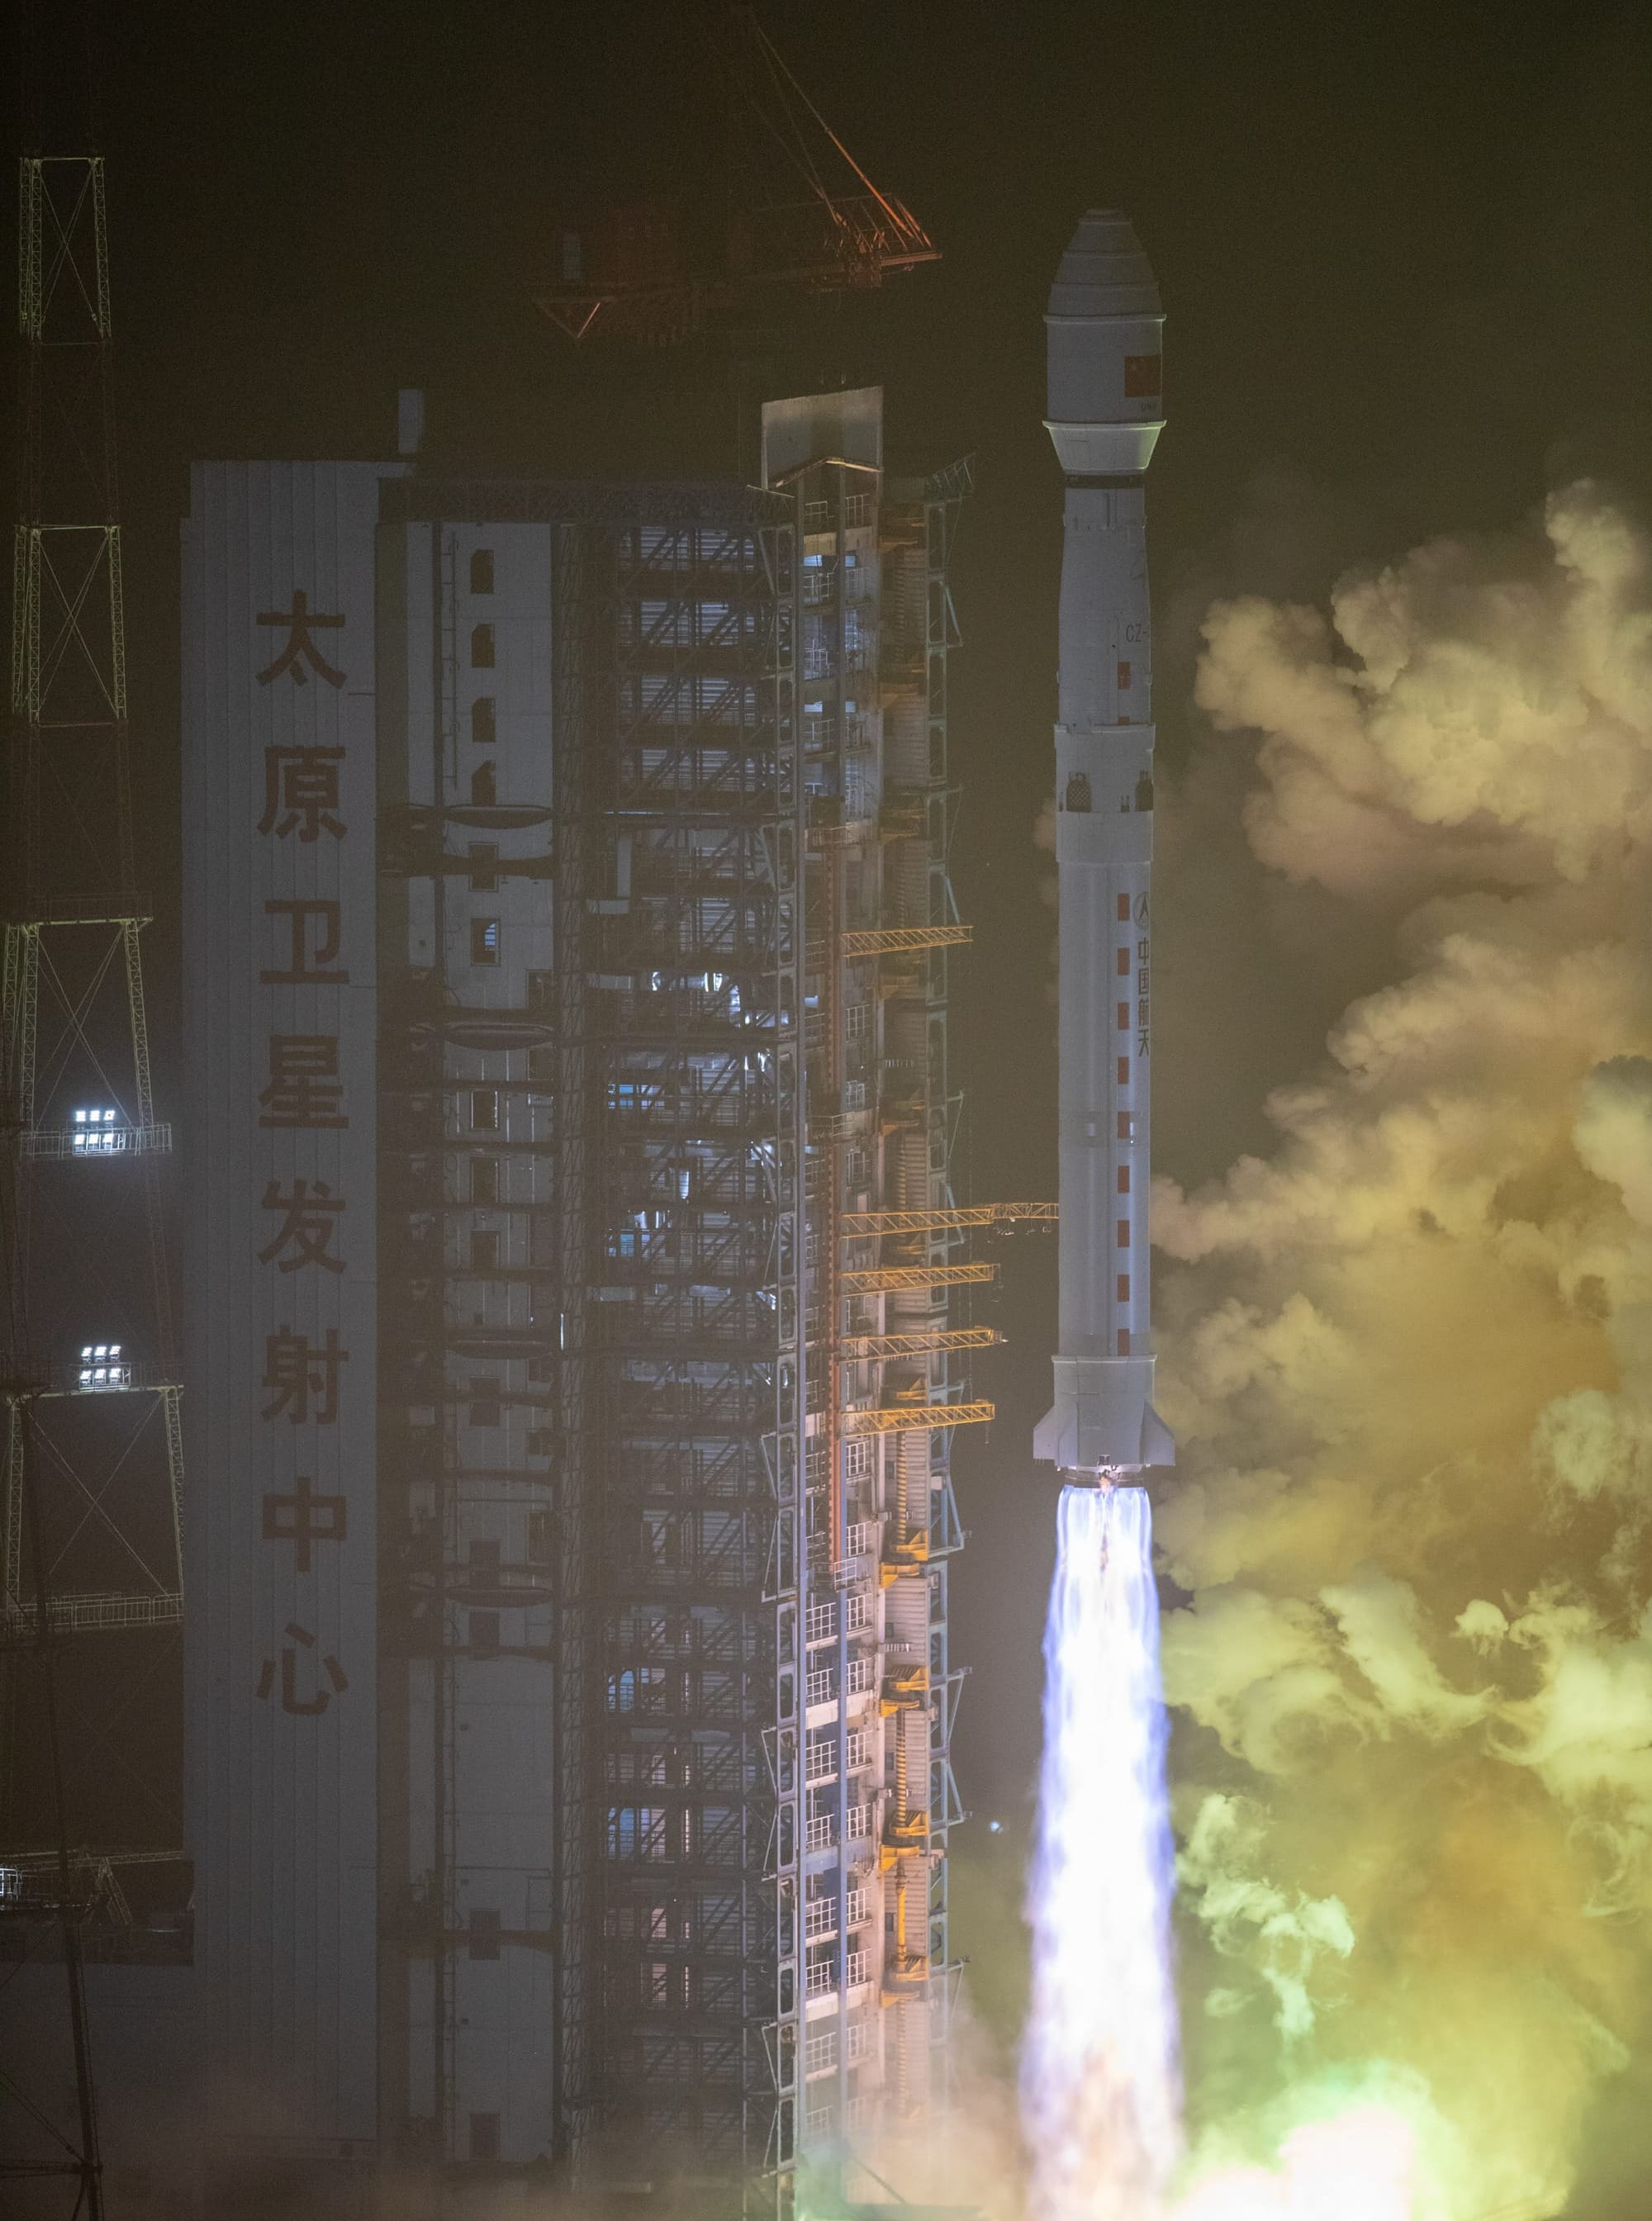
{"x":1408,"y":1360}
{"x":1100,"y":2082}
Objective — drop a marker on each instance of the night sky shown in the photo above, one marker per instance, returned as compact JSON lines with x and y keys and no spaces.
{"x":1404,"y":252}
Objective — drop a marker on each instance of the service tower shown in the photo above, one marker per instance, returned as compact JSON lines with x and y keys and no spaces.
{"x":1105,"y":385}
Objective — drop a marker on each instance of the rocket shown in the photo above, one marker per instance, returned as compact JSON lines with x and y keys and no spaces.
{"x":1105,"y":326}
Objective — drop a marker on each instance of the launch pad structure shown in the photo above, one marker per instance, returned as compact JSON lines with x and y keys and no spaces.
{"x":728,"y":1472}
{"x":571,"y":1284}
{"x":572,"y":1252}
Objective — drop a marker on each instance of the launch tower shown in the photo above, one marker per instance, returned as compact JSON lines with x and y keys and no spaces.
{"x":568,"y":924}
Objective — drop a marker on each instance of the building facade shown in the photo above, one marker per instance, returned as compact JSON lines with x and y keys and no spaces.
{"x":566,"y":942}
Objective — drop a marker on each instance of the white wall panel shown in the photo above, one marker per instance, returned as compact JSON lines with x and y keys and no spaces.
{"x":279,"y":800}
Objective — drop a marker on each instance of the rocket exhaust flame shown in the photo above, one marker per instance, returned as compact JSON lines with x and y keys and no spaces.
{"x":1099,"y":2080}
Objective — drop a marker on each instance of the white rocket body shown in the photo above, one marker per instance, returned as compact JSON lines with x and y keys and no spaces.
{"x":1105,"y":326}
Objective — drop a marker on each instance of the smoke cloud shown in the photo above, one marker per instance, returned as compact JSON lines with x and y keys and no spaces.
{"x":1408,"y":1360}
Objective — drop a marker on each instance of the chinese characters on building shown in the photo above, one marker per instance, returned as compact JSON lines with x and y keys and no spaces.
{"x":300,"y":1392}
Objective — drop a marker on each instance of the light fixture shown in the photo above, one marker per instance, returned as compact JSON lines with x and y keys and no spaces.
{"x":96,"y":1131}
{"x":103,"y":1366}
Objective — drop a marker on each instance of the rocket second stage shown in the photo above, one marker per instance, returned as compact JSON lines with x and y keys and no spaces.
{"x":1105,"y":386}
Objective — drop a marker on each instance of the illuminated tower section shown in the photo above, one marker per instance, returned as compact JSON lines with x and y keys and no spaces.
{"x":1105,"y":326}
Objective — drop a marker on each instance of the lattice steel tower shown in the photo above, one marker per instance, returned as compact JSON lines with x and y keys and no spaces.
{"x":90,"y":1487}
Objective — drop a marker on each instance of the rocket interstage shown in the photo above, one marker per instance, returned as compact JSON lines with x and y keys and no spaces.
{"x":1105,"y":326}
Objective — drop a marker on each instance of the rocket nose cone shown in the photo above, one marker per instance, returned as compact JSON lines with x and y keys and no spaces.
{"x":1104,"y":271}
{"x":1104,"y":327}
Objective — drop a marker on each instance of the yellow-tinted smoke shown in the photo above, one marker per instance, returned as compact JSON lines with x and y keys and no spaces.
{"x":1408,"y":1360}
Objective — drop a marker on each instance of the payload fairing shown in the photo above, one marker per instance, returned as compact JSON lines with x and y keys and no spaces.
{"x":1105,"y":326}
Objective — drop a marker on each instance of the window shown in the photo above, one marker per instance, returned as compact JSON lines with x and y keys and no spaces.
{"x":485,"y":941}
{"x":485,"y":1249}
{"x":636,"y":1831}
{"x":485,"y":1110}
{"x":1076,"y":797}
{"x":1124,"y":1287}
{"x":857,"y":1457}
{"x":1124,"y":1072}
{"x":485,"y":1403}
{"x":481,"y":570}
{"x":1124,"y":1342}
{"x":1123,"y":677}
{"x":1123,"y":1017}
{"x":484,"y":1557}
{"x":485,"y":857}
{"x":638,"y":1689}
{"x":484,"y":730}
{"x":484,"y":1931}
{"x":485,"y":1179}
{"x":483,"y":791}
{"x":484,"y":1634}
{"x":485,"y":2136}
{"x":1124,"y":1233}
{"x":1143,"y":377}
{"x":1126,"y":1127}
{"x":1123,"y":1179}
{"x":1123,"y":910}
{"x":854,"y":1021}
{"x":1123,"y":963}
{"x":542,"y":1441}
{"x":482,"y":647}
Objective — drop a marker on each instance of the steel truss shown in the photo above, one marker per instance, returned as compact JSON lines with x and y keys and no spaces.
{"x":73,"y":1028}
{"x":729,"y":1326}
{"x":70,"y":813}
{"x":695,"y":1237}
{"x":650,"y":1328}
{"x":882,"y":1522}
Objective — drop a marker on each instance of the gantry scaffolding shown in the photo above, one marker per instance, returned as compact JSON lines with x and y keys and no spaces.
{"x":666,"y":1138}
{"x":885,"y":1390}
{"x":592,"y":1152}
{"x":694,"y":1028}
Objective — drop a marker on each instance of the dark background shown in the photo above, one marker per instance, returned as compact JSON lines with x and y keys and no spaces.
{"x":1403,"y":251}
